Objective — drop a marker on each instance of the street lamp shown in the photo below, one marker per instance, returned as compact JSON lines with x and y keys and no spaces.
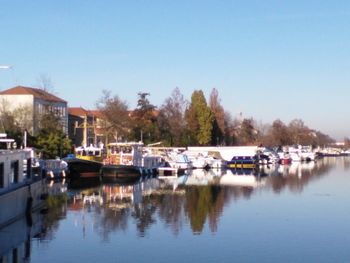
{"x":5,"y":67}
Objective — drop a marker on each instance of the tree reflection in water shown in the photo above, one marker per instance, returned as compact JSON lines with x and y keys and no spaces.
{"x":179,"y":204}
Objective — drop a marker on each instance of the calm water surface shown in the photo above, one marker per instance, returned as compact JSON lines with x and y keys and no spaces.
{"x":297,"y":213}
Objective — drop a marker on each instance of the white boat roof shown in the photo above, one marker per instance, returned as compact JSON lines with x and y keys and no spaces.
{"x":88,"y":148}
{"x":228,"y":152}
{"x":7,"y":140}
{"x":125,"y":143}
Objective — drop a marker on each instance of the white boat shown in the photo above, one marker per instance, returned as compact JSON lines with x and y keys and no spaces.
{"x":178,"y":160}
{"x":127,"y":162}
{"x":307,"y":154}
{"x":301,"y":153}
{"x":89,"y":153}
{"x":21,"y":190}
{"x":55,"y":168}
{"x":205,"y":159}
{"x":174,"y":160}
{"x":232,"y":156}
{"x":198,"y":159}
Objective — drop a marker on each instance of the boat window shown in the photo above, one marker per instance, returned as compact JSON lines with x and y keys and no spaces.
{"x":29,"y":168}
{"x":126,"y":149}
{"x":14,"y":172}
{"x":115,"y":150}
{"x":2,"y":175}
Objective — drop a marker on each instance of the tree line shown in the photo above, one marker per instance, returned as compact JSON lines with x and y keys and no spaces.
{"x":177,"y":122}
{"x":198,"y":122}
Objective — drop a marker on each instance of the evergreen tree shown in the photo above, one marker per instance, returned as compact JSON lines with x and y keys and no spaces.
{"x":51,"y":140}
{"x":145,"y":126}
{"x":199,"y":120}
{"x":219,"y":118}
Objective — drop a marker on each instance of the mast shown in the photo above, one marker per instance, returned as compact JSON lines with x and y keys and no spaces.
{"x":85,"y":131}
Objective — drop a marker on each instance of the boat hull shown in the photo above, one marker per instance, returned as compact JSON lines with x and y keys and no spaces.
{"x":242,"y":162}
{"x":21,"y":201}
{"x":83,"y":169}
{"x":120,"y":173}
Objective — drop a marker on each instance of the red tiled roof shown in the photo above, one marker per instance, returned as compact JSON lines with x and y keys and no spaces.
{"x":37,"y":93}
{"x":97,"y":113}
{"x":77,"y":111}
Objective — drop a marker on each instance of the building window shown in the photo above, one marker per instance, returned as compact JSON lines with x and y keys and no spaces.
{"x":14,"y":172}
{"x":2,"y":174}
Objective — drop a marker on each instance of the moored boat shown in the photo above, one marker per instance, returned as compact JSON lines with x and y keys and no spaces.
{"x":126,"y":162}
{"x":85,"y":164}
{"x":21,"y":190}
{"x":237,"y":157}
{"x":89,"y":153}
{"x":172,"y":160}
{"x":83,"y":169}
{"x":242,"y":162}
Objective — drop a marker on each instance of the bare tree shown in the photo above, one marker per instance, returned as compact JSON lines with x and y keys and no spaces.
{"x":44,"y":82}
{"x":21,"y":116}
{"x":230,"y":129}
{"x":247,"y":132}
{"x":171,"y":117}
{"x":24,"y":117}
{"x":116,"y":115}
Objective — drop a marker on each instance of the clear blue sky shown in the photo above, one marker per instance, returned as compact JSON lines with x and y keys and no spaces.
{"x":268,"y":59}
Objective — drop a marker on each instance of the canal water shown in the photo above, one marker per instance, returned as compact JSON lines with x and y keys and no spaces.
{"x":295,"y":213}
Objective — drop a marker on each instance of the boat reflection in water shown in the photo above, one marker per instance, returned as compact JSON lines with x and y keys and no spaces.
{"x":237,"y":179}
{"x":117,"y":196}
{"x":196,"y":199}
{"x":16,"y":238}
{"x":109,"y":221}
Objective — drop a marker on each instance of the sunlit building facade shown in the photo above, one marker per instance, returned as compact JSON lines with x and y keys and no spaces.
{"x":28,"y":105}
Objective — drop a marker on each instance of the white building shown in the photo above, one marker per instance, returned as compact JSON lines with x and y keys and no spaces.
{"x":31,"y":104}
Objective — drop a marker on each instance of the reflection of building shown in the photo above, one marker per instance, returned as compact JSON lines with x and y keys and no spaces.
{"x":29,"y":104}
{"x":85,"y":126}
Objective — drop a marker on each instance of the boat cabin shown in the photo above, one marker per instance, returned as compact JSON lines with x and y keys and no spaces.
{"x":124,"y":153}
{"x":15,"y":165}
{"x":90,"y":153}
{"x":20,"y":189}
